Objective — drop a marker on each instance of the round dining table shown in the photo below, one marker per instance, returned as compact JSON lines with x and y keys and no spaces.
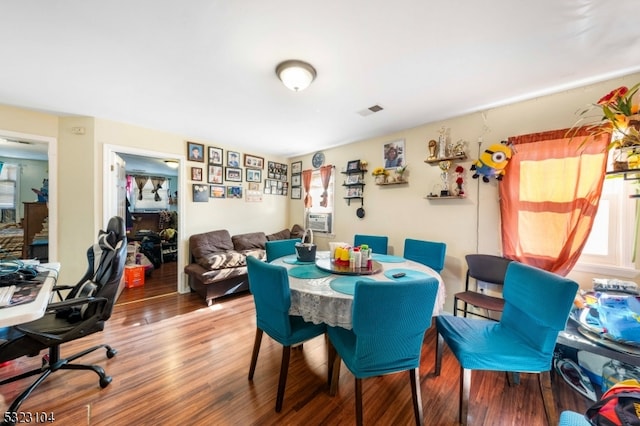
{"x":321,"y":296}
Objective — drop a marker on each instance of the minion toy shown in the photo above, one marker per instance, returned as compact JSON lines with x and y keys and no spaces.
{"x":492,"y":162}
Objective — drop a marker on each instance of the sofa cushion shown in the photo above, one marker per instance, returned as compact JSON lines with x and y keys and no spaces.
{"x":208,"y":243}
{"x":297,"y":231}
{"x":285,"y":234}
{"x":222,"y":260}
{"x":252,"y":240}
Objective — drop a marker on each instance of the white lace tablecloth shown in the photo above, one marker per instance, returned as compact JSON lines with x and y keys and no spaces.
{"x":314,"y":300}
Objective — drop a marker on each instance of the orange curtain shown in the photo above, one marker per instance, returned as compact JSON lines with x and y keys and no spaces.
{"x":306,"y":183}
{"x":325,"y":177}
{"x":549,"y":197}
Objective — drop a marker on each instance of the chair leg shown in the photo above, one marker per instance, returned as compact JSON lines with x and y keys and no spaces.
{"x":414,"y":377}
{"x":465,"y":392}
{"x":335,"y":375}
{"x":331,"y":356}
{"x":254,"y":354}
{"x":439,"y":344}
{"x":455,"y":306}
{"x":358,"y":402}
{"x":544,"y":378}
{"x":284,"y":368}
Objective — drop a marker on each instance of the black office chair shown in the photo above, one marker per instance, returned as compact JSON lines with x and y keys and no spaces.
{"x":486,"y":268}
{"x":83,"y":312}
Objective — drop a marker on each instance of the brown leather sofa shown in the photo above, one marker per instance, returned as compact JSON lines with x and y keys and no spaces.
{"x":218,"y":260}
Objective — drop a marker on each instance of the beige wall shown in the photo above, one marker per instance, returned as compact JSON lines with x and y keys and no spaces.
{"x":467,"y":226}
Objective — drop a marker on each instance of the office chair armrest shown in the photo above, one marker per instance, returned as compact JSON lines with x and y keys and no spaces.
{"x":70,"y":303}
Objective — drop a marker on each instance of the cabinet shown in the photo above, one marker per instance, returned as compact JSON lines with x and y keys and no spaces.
{"x":33,"y":225}
{"x":354,"y":182}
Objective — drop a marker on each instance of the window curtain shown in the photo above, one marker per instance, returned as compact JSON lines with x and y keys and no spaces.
{"x":141,"y":181}
{"x":306,"y":183}
{"x":325,"y":177}
{"x":549,"y":197}
{"x":157,"y":186}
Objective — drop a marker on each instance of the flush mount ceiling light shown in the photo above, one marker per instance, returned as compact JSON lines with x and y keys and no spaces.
{"x":296,"y":75}
{"x":172,"y":163}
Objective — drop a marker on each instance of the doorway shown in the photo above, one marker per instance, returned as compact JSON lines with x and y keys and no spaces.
{"x":149,"y":164}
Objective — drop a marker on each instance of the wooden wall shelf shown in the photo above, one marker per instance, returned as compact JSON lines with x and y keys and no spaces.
{"x":392,"y":183}
{"x":448,"y":197}
{"x":454,"y":158}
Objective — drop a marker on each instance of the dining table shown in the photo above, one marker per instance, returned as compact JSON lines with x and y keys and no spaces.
{"x":321,"y":293}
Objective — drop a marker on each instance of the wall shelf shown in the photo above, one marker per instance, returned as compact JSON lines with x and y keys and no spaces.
{"x":392,"y":183}
{"x":354,"y":185}
{"x":448,"y":197}
{"x":452,"y":158}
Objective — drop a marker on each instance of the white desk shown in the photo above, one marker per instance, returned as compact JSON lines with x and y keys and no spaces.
{"x":314,"y":300}
{"x":26,"y":312}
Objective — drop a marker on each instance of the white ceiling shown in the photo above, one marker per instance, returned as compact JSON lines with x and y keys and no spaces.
{"x":205,"y":68}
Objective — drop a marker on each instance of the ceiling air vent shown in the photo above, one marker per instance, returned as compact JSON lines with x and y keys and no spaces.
{"x":370,"y":110}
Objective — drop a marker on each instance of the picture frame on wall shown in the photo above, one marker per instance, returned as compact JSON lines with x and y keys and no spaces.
{"x":200,"y":193}
{"x":215,"y":174}
{"x":195,"y":152}
{"x":233,"y":174}
{"x":353,"y":165}
{"x":253,"y":175}
{"x":296,"y":167}
{"x":393,"y":154}
{"x":215,"y":156}
{"x":253,"y":161}
{"x":296,"y":193}
{"x":217,"y":191}
{"x":296,"y":180}
{"x":234,"y":192}
{"x":233,"y":159}
{"x":196,"y":173}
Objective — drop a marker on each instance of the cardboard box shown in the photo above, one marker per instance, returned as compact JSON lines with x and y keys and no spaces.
{"x":134,"y":276}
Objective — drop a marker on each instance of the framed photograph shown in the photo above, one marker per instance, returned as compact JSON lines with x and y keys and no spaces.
{"x":233,"y":159}
{"x":253,"y":161}
{"x":353,"y":165}
{"x":216,"y":191}
{"x":233,"y":174}
{"x":196,"y":173}
{"x":214,"y":174}
{"x":200,"y":193}
{"x":254,"y":175}
{"x":351,"y":179}
{"x":195,"y":152}
{"x":296,"y":193}
{"x":393,"y":154}
{"x":234,"y":192}
{"x":296,"y":167}
{"x":215,"y":156}
{"x":296,"y":179}
{"x":277,"y":171}
{"x":253,"y":186}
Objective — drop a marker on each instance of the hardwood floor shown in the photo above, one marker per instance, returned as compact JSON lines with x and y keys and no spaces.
{"x":160,"y":282}
{"x":180,"y":362}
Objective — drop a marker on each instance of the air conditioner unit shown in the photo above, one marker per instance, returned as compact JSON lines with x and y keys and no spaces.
{"x":319,"y":222}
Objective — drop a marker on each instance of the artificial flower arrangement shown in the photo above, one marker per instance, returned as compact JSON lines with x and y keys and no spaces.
{"x":619,"y":110}
{"x":380,"y":171}
{"x":460,"y":179}
{"x":401,"y":169}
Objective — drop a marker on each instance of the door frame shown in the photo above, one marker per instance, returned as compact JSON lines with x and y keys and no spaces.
{"x":110,"y":196}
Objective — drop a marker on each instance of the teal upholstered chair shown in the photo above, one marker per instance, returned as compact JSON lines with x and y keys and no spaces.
{"x":279,"y":248}
{"x":389,"y":322}
{"x":571,"y":418}
{"x":269,"y":285}
{"x":377,"y":243}
{"x":537,"y":305}
{"x":428,"y":253}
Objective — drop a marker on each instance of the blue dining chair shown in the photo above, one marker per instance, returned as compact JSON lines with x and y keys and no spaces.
{"x":537,"y":305}
{"x":377,"y":243}
{"x":428,"y":253}
{"x":269,"y":285}
{"x":279,"y":248}
{"x":389,"y":322}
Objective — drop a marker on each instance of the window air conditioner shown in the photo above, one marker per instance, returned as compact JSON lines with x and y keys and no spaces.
{"x":319,"y":222}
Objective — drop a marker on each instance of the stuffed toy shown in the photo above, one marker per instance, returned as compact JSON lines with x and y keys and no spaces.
{"x":492,"y":162}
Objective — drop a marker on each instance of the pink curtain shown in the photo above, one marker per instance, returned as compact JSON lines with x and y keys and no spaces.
{"x":549,"y":197}
{"x":325,"y":177}
{"x":306,"y":183}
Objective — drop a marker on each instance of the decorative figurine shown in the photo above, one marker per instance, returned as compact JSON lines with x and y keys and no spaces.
{"x":432,"y":149}
{"x":444,"y":166}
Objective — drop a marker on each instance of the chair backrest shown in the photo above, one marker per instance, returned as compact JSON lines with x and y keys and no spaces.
{"x":377,"y":243}
{"x":389,"y":321}
{"x":487,"y":268}
{"x":428,"y":253}
{"x":106,"y":261}
{"x":537,"y":305}
{"x":279,"y":248}
{"x":269,"y":285}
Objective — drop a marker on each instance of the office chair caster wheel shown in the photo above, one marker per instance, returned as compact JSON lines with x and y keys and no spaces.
{"x":104,"y":381}
{"x":111,"y":353}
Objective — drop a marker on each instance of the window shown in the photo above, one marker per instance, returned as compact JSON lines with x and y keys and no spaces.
{"x":609,"y":248}
{"x":319,"y":218}
{"x":8,"y":192}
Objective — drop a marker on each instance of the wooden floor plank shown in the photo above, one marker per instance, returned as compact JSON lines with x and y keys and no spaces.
{"x":181,"y":362}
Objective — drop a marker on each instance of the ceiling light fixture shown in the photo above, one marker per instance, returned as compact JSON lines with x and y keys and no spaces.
{"x":296,"y":75}
{"x":172,"y":164}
